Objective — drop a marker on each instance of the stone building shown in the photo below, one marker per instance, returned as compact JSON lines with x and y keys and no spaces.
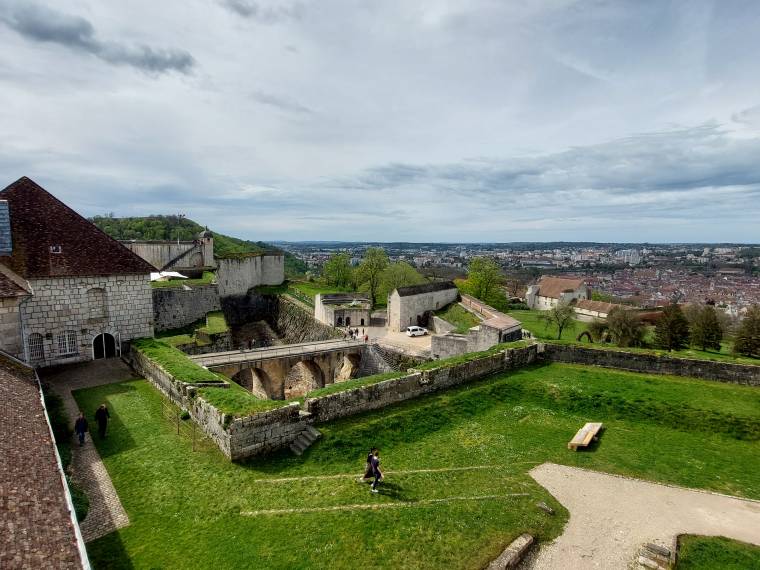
{"x":588,"y":310}
{"x":76,"y":294}
{"x":182,"y":256}
{"x":412,"y":305}
{"x":551,"y":291}
{"x":343,"y":309}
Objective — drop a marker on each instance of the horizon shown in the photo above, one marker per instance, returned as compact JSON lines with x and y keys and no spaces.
{"x":432,"y":123}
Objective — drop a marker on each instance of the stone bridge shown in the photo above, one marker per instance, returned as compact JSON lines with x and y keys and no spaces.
{"x":290,"y":371}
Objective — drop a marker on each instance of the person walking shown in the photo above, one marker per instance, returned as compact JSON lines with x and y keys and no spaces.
{"x":368,"y":474}
{"x":376,"y":472}
{"x":102,"y":416}
{"x":80,"y":428}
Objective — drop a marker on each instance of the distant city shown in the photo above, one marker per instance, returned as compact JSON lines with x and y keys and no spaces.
{"x":647,"y":275}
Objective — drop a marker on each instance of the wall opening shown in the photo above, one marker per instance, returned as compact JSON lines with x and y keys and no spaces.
{"x":302,"y":378}
{"x":36,"y":347}
{"x":259,"y":383}
{"x":349,"y":367}
{"x":103,"y":346}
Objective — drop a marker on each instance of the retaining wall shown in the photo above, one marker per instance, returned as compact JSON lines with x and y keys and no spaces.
{"x":177,"y":307}
{"x":654,"y":364}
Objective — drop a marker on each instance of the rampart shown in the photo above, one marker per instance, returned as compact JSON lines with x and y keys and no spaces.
{"x":177,"y":307}
{"x":237,"y":275}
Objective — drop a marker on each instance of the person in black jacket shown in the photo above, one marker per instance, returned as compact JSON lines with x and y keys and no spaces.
{"x":80,"y":428}
{"x":102,"y":416}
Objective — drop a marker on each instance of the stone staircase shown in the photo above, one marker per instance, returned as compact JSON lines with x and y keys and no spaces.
{"x":304,"y":440}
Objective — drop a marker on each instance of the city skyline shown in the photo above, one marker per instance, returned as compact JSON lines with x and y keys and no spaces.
{"x":484,"y":123}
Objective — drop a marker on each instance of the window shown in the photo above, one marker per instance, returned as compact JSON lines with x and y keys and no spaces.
{"x":96,"y":300}
{"x":56,"y":249}
{"x":36,"y":347}
{"x":67,"y":343}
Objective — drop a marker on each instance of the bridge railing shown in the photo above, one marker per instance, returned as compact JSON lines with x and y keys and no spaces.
{"x":270,"y":352}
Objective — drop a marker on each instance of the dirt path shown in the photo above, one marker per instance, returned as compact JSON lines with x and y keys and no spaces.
{"x":611,"y":516}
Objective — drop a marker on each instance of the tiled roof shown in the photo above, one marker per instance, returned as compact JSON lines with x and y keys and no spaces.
{"x":553,"y":287}
{"x":36,"y":529}
{"x":425,"y":288}
{"x":10,"y":289}
{"x":598,"y":306}
{"x":52,"y":240}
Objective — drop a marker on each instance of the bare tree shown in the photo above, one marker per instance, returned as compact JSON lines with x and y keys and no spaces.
{"x":560,"y":316}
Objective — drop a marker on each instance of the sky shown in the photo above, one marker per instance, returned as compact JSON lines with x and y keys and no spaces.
{"x":456,"y":121}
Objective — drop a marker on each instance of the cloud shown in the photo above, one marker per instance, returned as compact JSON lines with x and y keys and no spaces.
{"x":42,"y":24}
{"x":261,"y":12}
{"x":749,"y":117}
{"x":282,"y":103}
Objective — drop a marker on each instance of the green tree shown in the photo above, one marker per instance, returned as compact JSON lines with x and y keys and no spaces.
{"x":672,"y":329}
{"x":706,"y":329}
{"x":338,"y":271}
{"x":560,"y":316}
{"x":399,"y":274}
{"x":370,"y":270}
{"x":625,"y":327}
{"x":747,"y":341}
{"x":484,"y":273}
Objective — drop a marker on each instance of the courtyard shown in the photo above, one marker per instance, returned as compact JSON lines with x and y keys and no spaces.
{"x":458,"y":467}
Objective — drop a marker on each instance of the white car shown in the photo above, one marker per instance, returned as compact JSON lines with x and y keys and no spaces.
{"x":416,"y":331}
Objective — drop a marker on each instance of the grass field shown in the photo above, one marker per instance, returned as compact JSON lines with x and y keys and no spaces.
{"x":709,"y":553}
{"x":460,"y":317}
{"x":196,"y":509}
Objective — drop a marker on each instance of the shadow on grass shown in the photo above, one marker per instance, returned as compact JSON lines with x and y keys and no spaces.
{"x":109,"y":552}
{"x":118,"y":437}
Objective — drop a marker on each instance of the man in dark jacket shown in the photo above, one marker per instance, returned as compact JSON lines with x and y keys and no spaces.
{"x":102,"y":416}
{"x":80,"y":428}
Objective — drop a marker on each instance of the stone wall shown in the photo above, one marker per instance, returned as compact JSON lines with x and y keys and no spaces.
{"x":266,"y":432}
{"x":653,"y":364}
{"x":69,"y":312}
{"x":237,"y":275}
{"x":219,"y":342}
{"x":415,"y":384}
{"x":166,"y":255}
{"x":405,"y":311}
{"x":10,"y":327}
{"x":177,"y":307}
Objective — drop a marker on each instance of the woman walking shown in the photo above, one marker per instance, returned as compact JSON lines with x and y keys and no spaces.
{"x":377,"y":474}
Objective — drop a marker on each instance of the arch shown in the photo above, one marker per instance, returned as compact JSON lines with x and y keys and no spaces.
{"x":258,"y":382}
{"x":348,"y":321}
{"x":303,"y":377}
{"x":340,"y":321}
{"x":36,"y":343}
{"x":196,"y":260}
{"x":104,"y":346}
{"x":97,"y":303}
{"x":349,"y":368}
{"x":586,"y":335}
{"x":362,"y":323}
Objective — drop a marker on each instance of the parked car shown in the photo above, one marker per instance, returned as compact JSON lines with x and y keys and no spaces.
{"x":416,"y":331}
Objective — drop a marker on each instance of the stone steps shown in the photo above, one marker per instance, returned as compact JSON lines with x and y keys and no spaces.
{"x":304,"y":440}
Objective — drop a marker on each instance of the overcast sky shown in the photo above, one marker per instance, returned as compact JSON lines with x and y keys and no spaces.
{"x":392,"y":120}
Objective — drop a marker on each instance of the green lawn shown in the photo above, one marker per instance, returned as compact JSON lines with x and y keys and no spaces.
{"x":530,"y":320}
{"x":460,"y":317}
{"x":710,"y":552}
{"x":215,"y":323}
{"x":189,"y":508}
{"x":174,"y":361}
{"x":237,"y":401}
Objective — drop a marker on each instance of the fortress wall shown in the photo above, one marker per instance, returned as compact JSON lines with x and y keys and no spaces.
{"x":654,"y":364}
{"x":159,"y":254}
{"x":236,"y":276}
{"x":273,"y":269}
{"x":176,"y":307}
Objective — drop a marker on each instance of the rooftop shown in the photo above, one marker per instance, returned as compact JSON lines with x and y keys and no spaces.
{"x":425,"y":288}
{"x":553,"y":287}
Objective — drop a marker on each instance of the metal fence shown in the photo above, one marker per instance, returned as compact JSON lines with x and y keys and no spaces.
{"x":185,"y":428}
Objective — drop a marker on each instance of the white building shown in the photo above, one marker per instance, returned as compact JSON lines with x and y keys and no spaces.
{"x":550,"y":291}
{"x":412,"y":305}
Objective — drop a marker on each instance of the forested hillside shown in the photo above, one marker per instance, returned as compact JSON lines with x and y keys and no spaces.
{"x":175,"y":227}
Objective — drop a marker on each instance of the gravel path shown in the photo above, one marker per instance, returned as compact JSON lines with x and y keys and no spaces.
{"x":612,"y":516}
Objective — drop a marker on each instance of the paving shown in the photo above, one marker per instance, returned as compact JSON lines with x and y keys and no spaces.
{"x":106,"y":513}
{"x":612,"y":516}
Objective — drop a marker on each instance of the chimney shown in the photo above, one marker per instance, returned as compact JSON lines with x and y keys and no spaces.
{"x":6,"y":242}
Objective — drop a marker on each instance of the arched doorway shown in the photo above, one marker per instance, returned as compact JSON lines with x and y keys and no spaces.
{"x":302,"y":378}
{"x":103,"y":346}
{"x":348,"y":321}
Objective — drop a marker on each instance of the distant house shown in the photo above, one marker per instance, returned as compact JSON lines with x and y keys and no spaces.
{"x":343,"y":309}
{"x":413,"y":304}
{"x":588,"y":310}
{"x":71,"y":292}
{"x":550,"y":291}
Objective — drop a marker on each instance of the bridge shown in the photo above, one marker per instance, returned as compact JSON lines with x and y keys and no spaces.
{"x":289,"y":371}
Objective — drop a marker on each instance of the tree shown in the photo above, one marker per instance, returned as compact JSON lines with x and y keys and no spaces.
{"x":625,"y":327}
{"x":338,"y":271}
{"x":370,"y":270}
{"x":560,"y":316}
{"x":399,"y":274}
{"x":706,"y":330}
{"x":598,"y":330}
{"x":672,"y":329}
{"x":747,"y":341}
{"x":484,"y":274}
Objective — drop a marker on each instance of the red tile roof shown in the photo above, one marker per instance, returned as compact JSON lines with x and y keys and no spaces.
{"x":553,"y":287}
{"x":10,"y":289}
{"x":42,"y":224}
{"x":36,"y":529}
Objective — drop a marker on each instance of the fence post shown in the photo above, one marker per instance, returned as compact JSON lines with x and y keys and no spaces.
{"x":177,"y":422}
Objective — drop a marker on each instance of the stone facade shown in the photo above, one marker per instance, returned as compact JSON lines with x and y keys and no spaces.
{"x":177,"y":307}
{"x":404,"y":311}
{"x":343,"y":309}
{"x":237,"y":275}
{"x":65,"y":314}
{"x":10,"y":327}
{"x":175,"y":255}
{"x":653,"y":364}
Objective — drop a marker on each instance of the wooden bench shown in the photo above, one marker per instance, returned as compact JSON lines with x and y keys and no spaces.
{"x":585,"y":436}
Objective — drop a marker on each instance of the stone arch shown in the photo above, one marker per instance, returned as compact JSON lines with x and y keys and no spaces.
{"x":340,"y":321}
{"x":349,"y":368}
{"x":303,"y":377}
{"x":259,"y":383}
{"x":586,"y":335}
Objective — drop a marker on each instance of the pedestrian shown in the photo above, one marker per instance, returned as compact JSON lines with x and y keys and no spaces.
{"x":80,"y":428}
{"x":102,"y":416}
{"x":368,"y":467}
{"x":376,"y":472}
{"x":366,"y":338}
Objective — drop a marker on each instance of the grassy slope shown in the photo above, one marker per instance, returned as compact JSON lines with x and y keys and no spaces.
{"x":174,"y":361}
{"x":186,"y":506}
{"x":710,"y":552}
{"x":237,"y":401}
{"x":458,"y":316}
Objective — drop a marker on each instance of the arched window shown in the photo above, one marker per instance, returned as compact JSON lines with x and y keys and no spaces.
{"x":67,"y":343}
{"x":96,"y":300}
{"x":36,"y":347}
